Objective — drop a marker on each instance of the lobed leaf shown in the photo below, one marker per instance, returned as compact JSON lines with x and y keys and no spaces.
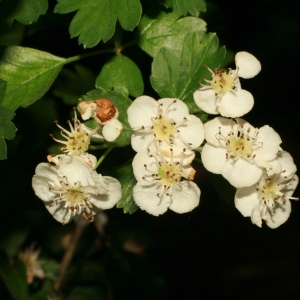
{"x":178,"y":76}
{"x":29,"y":73}
{"x":96,"y":19}
{"x":192,"y":6}
{"x":123,"y":75}
{"x":167,"y":30}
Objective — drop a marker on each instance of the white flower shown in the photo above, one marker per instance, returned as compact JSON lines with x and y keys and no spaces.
{"x":223,"y":93}
{"x":164,"y":121}
{"x":239,"y":151}
{"x":269,"y":199}
{"x":78,"y":138}
{"x":71,"y":187}
{"x":105,"y":113}
{"x":160,"y":187}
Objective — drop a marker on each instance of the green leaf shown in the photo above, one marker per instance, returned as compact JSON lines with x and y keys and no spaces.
{"x":167,"y":30}
{"x":121,"y":103}
{"x":7,"y":129}
{"x":125,"y":175}
{"x":178,"y":76}
{"x":96,"y":19}
{"x":29,"y":10}
{"x":121,"y":74}
{"x":24,"y":11}
{"x":2,"y":90}
{"x":14,"y":276}
{"x":29,"y":73}
{"x":192,"y":6}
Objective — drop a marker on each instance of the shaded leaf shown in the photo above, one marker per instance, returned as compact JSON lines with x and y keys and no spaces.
{"x":125,"y":175}
{"x":192,"y":6}
{"x":121,"y":103}
{"x":29,"y":73}
{"x":178,"y":76}
{"x":121,"y":74}
{"x":14,"y":276}
{"x":7,"y":129}
{"x":24,"y":11}
{"x":225,"y":190}
{"x":70,"y":85}
{"x":29,"y":10}
{"x":2,"y":90}
{"x":96,"y":19}
{"x":167,"y":30}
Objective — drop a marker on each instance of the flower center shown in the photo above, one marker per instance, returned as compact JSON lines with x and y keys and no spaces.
{"x":239,"y":147}
{"x":75,"y":196}
{"x":168,"y":174}
{"x":77,"y":143}
{"x":77,"y":139}
{"x":268,"y":190}
{"x":222,"y":82}
{"x":76,"y":201}
{"x":163,"y":129}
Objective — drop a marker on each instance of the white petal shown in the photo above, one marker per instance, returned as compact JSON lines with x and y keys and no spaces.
{"x":235,"y":104}
{"x":256,"y":216}
{"x":240,"y":173}
{"x":87,"y":109}
{"x":287,"y":163}
{"x":112,"y":129}
{"x":206,"y":100}
{"x":185,"y":197}
{"x":245,"y":200}
{"x":145,"y":196}
{"x":60,"y":214}
{"x":213,"y":158}
{"x":186,"y":157}
{"x":176,"y":111}
{"x":141,"y":159}
{"x":212,"y":129}
{"x":141,"y":112}
{"x":280,"y":216}
{"x":270,"y":141}
{"x":273,"y":167}
{"x":109,"y":199}
{"x":44,"y":173}
{"x":192,"y":132}
{"x":140,"y":140}
{"x":247,"y":64}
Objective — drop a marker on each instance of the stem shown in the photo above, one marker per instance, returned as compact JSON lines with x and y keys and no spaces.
{"x":93,"y":147}
{"x":103,"y":157}
{"x":78,"y":57}
{"x":80,"y":225}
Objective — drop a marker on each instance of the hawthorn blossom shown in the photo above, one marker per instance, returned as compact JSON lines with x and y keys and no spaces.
{"x":105,"y":113}
{"x":166,"y":121}
{"x":69,"y":187}
{"x":160,"y":186}
{"x":77,"y":139}
{"x":239,"y":151}
{"x":269,"y":199}
{"x":223,"y":93}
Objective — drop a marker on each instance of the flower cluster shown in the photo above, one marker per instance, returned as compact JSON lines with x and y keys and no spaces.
{"x":250,"y":158}
{"x":164,"y":136}
{"x":68,"y":184}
